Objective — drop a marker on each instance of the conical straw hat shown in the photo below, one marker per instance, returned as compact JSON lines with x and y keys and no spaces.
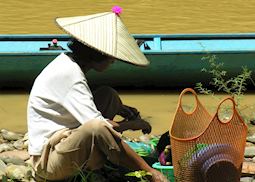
{"x":106,"y":33}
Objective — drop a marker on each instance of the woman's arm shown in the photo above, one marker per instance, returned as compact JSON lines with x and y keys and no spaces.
{"x":136,"y":124}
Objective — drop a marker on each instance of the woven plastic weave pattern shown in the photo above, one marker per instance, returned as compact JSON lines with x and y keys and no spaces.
{"x":204,"y":148}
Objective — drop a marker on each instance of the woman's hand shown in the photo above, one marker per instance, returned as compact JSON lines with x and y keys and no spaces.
{"x":132,"y":121}
{"x":140,"y":124}
{"x":135,"y":124}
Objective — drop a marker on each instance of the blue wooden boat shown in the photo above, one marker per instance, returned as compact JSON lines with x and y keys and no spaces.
{"x":175,"y":60}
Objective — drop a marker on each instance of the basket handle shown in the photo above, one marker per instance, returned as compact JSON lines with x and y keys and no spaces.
{"x":184,"y":92}
{"x":233,"y":109}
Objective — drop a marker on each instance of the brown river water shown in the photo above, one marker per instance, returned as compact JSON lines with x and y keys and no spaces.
{"x":144,"y":16}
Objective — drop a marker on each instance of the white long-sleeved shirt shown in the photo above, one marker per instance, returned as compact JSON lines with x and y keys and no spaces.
{"x":60,"y":98}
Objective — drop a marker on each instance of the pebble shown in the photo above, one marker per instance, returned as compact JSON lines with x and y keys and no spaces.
{"x":18,"y":172}
{"x":2,"y":165}
{"x":6,"y":147}
{"x":247,"y":179}
{"x":249,"y":151}
{"x":10,"y":136}
{"x":251,"y":138}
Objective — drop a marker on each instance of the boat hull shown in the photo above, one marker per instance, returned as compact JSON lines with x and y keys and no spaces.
{"x":170,"y":71}
{"x":169,"y":67}
{"x":20,"y":71}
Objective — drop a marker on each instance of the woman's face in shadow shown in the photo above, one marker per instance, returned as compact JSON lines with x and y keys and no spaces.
{"x":102,"y":65}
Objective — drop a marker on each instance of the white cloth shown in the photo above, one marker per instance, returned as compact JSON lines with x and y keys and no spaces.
{"x":60,"y":98}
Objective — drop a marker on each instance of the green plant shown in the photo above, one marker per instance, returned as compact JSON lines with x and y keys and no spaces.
{"x":234,"y":86}
{"x":82,"y":176}
{"x":141,"y":175}
{"x":4,"y":178}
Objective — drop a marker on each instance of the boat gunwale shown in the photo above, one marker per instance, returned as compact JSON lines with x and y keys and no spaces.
{"x":198,"y":36}
{"x":146,"y":52}
{"x":146,"y":37}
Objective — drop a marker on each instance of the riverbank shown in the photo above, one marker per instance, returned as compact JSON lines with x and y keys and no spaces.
{"x":15,"y":164}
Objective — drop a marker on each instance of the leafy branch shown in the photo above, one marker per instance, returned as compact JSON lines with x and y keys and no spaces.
{"x":234,"y":86}
{"x":141,"y":175}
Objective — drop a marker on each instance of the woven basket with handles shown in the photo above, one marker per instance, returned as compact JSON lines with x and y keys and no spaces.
{"x":204,"y":148}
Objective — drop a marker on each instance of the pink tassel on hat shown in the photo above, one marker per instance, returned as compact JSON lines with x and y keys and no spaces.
{"x":117,"y":10}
